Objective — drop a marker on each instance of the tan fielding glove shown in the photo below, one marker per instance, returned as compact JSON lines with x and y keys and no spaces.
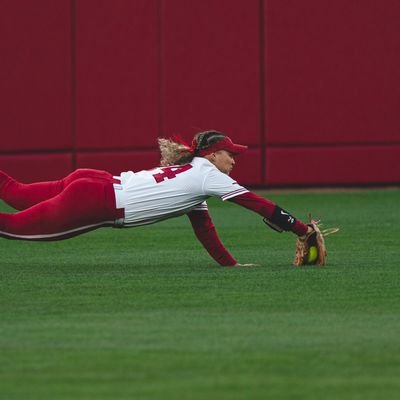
{"x":315,"y":241}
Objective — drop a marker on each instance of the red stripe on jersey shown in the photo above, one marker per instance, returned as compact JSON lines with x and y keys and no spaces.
{"x":234,"y":193}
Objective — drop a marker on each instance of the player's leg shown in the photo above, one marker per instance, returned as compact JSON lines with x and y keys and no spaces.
{"x":24,"y":195}
{"x":84,"y":205}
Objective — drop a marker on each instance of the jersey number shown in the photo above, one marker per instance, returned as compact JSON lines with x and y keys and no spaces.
{"x":170,"y":172}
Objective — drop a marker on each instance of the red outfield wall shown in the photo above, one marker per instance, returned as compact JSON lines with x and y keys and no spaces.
{"x":312,"y":86}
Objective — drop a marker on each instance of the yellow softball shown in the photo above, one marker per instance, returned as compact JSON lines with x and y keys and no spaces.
{"x":312,"y":254}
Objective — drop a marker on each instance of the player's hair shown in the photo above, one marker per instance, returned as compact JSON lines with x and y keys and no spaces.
{"x":176,"y":152}
{"x":173,"y":153}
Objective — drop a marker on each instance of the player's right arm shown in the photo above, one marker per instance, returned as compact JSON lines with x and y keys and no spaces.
{"x":205,"y":232}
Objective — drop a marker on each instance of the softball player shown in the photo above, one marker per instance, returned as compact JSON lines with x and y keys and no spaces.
{"x":188,"y":175}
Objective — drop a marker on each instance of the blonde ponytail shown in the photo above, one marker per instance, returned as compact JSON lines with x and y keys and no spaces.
{"x":173,"y":153}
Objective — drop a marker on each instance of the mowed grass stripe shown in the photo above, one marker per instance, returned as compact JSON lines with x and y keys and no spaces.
{"x":144,"y":313}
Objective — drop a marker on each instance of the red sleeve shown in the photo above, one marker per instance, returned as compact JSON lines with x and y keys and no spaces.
{"x":205,"y":231}
{"x":265,"y":208}
{"x":255,"y":203}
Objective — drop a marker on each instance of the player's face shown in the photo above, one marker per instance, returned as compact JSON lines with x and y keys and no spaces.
{"x":224,"y":161}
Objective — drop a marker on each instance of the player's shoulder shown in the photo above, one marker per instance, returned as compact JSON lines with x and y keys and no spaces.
{"x":203,"y":164}
{"x":200,"y":161}
{"x":211,"y":172}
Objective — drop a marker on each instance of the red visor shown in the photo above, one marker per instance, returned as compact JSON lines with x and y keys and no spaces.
{"x":224,"y":144}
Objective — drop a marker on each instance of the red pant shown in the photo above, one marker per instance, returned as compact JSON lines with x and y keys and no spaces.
{"x":82,"y":201}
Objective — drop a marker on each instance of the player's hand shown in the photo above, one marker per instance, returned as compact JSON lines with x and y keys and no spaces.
{"x":246,"y":265}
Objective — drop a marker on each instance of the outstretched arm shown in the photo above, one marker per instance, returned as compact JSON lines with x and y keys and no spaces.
{"x":278,"y":218}
{"x":205,"y":232}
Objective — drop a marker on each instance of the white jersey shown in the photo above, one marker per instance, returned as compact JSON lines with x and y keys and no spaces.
{"x":166,"y":192}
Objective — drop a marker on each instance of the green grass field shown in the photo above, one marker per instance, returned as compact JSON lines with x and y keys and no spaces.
{"x":144,"y":313}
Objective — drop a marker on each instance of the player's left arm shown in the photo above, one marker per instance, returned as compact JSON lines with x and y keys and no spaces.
{"x":275,"y":216}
